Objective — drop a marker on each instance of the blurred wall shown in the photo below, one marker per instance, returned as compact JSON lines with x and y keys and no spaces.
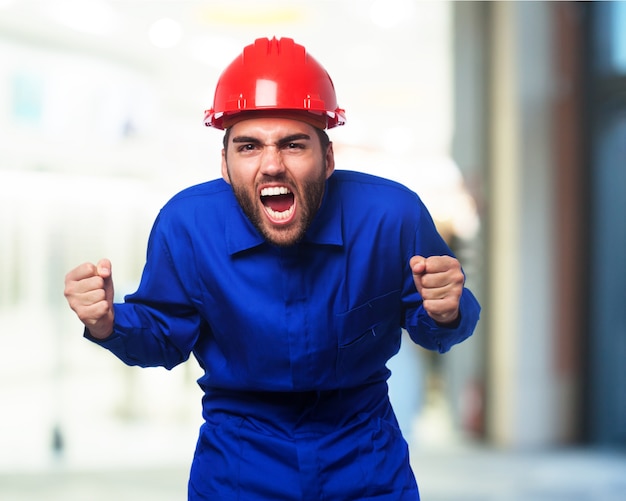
{"x":101,"y":107}
{"x":540,"y":117}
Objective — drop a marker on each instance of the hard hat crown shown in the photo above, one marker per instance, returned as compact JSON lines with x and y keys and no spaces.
{"x":276,"y":74}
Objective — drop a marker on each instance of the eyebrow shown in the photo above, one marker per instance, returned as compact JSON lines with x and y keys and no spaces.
{"x":281,"y":141}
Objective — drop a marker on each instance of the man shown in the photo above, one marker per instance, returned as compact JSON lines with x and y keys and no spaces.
{"x":290,"y":283}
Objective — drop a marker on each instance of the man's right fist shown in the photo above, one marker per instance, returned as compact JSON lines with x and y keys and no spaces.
{"x":89,"y":292}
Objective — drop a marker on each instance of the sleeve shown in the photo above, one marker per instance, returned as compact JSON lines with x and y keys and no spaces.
{"x":423,"y":330}
{"x":158,"y":325}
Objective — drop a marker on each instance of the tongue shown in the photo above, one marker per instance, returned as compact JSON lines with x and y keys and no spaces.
{"x":279,"y":203}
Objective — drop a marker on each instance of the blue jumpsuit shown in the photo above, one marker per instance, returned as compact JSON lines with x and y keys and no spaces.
{"x":293,"y":341}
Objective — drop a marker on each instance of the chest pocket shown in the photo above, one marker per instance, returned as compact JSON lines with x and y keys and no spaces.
{"x":368,"y":336}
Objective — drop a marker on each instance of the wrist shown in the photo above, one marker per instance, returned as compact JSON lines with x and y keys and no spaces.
{"x":102,"y":329}
{"x":449,"y":323}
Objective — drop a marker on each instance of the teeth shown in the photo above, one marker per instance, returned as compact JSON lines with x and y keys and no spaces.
{"x":280,"y":215}
{"x":275,"y":190}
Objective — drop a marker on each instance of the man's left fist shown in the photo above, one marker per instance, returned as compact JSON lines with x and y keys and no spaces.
{"x":440,"y":281}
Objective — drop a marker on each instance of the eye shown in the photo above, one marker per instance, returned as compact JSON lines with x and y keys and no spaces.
{"x":294,"y":146}
{"x":247,"y":147}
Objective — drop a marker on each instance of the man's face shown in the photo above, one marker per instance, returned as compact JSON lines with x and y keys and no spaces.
{"x":277,"y":170}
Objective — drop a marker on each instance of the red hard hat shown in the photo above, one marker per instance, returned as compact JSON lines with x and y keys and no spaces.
{"x":278,"y":75}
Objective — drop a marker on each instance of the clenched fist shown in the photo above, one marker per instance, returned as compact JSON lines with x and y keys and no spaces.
{"x":89,"y":292}
{"x":439,"y":280}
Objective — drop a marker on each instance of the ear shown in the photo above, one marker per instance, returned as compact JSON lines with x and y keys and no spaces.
{"x":330,"y":160}
{"x":225,"y":175}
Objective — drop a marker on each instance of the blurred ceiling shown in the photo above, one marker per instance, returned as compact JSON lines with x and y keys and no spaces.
{"x":389,"y":59}
{"x":212,"y":31}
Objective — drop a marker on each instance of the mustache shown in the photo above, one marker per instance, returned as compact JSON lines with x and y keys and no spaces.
{"x":281,"y":179}
{"x":264,"y":178}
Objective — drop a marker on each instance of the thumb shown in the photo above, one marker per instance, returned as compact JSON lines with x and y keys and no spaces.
{"x":418,"y":265}
{"x":104,"y":268}
{"x":104,"y":271}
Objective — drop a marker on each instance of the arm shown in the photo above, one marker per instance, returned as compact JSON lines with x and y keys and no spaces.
{"x":441,"y":312}
{"x":156,"y":326}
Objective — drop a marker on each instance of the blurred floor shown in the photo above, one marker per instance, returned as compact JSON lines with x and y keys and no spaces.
{"x":453,"y":474}
{"x":481,"y":474}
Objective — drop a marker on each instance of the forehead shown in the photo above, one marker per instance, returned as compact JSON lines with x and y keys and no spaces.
{"x":268,"y":129}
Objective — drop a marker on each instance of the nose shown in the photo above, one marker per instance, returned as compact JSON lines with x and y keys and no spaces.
{"x":272,"y":161}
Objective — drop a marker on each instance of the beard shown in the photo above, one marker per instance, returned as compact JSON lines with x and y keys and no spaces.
{"x":308,"y":203}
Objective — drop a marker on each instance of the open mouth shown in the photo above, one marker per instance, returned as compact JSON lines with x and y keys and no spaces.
{"x":279,"y":203}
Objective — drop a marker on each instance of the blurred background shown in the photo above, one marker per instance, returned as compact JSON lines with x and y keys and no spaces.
{"x":509,"y":120}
